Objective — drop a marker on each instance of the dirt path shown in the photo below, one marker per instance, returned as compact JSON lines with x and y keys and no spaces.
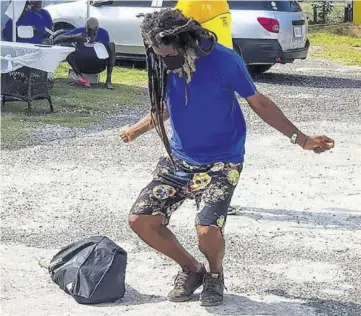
{"x":292,"y":249}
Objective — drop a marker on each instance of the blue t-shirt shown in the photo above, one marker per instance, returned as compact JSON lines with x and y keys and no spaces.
{"x":48,"y":21}
{"x":29,"y":18}
{"x":102,"y":37}
{"x":211,"y":127}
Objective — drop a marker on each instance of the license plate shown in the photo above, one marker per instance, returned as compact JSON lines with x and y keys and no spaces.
{"x":297,"y":31}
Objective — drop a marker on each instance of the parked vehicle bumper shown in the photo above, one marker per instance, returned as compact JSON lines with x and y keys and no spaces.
{"x":264,"y":51}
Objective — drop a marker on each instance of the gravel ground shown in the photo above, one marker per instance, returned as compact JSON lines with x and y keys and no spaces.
{"x":292,"y":249}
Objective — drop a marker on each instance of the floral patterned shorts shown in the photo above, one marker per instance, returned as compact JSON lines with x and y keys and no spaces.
{"x":211,"y":186}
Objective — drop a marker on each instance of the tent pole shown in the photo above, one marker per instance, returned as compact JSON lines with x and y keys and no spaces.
{"x":87,"y":9}
{"x":13,"y":24}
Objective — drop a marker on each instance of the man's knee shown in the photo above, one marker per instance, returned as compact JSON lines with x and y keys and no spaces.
{"x":72,"y":59}
{"x":206,"y":232}
{"x":135,"y":222}
{"x":144,"y":222}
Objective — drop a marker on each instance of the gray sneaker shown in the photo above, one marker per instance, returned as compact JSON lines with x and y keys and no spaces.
{"x":213,"y":287}
{"x":185,"y":283}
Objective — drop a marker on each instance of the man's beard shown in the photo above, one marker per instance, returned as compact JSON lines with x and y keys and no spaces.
{"x":188,"y":67}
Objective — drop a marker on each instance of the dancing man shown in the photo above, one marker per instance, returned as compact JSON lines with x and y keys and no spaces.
{"x":193,"y":81}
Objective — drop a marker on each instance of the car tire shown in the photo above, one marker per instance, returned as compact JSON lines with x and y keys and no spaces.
{"x":237,"y":49}
{"x":258,"y":69}
{"x":63,"y":26}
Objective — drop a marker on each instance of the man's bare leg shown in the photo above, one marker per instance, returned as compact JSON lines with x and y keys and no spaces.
{"x":152,"y":231}
{"x":211,"y":244}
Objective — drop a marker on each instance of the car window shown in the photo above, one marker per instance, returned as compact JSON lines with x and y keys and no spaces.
{"x":124,"y":3}
{"x":288,"y":6}
{"x":284,"y":6}
{"x":169,"y":4}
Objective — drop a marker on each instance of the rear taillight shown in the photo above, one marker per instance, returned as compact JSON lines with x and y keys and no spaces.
{"x":271,"y":25}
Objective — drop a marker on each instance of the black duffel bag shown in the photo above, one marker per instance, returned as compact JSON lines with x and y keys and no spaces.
{"x":91,"y":270}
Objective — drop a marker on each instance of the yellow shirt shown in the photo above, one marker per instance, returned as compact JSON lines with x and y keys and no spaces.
{"x":213,"y":15}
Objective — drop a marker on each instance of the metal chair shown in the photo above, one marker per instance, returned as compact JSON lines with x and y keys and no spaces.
{"x":26,"y":84}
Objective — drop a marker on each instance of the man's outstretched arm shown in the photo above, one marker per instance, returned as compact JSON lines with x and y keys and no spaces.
{"x":273,"y":116}
{"x":72,"y":38}
{"x":131,"y":132}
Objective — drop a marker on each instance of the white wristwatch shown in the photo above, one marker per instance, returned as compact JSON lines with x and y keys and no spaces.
{"x":294,"y":138}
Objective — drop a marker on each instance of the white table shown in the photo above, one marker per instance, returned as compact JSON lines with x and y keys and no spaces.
{"x":25,"y":68}
{"x":42,"y":57}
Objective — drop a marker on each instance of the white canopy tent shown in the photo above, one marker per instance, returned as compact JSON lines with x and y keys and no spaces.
{"x":14,"y":11}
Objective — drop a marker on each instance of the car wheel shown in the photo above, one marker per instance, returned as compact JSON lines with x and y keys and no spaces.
{"x":237,"y":49}
{"x":258,"y":69}
{"x":63,"y":26}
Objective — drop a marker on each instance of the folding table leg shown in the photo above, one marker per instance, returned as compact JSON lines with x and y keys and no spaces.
{"x":51,"y":104}
{"x":29,"y":107}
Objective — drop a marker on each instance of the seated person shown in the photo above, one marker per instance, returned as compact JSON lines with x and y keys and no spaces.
{"x":36,"y":7}
{"x":28,"y":18}
{"x":85,"y":60}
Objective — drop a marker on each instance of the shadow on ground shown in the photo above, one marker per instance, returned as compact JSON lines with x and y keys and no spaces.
{"x":240,"y":305}
{"x":332,"y":218}
{"x":310,"y":81}
{"x":323,"y":306}
{"x":133,"y":297}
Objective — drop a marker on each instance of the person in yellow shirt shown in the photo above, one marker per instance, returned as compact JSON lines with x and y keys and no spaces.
{"x":212,"y":15}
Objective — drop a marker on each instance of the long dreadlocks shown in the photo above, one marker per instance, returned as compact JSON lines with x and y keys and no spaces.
{"x":170,"y":28}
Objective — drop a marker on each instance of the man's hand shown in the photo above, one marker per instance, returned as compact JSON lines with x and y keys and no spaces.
{"x":128,"y":134}
{"x":81,"y":39}
{"x":273,"y":116}
{"x":131,"y":132}
{"x":318,"y":144}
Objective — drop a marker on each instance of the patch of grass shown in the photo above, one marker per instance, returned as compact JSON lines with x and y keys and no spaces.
{"x":342,"y":48}
{"x":18,"y":127}
{"x":66,"y":120}
{"x":336,"y":15}
{"x":13,"y":130}
{"x":74,"y":106}
{"x":121,"y":75}
{"x":129,"y":89}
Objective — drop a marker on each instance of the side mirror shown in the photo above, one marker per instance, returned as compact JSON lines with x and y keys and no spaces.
{"x":25,"y":31}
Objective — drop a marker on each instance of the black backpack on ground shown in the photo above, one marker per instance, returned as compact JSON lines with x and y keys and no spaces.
{"x":91,"y":270}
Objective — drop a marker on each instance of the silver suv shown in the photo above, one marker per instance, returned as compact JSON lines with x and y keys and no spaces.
{"x":264,"y":32}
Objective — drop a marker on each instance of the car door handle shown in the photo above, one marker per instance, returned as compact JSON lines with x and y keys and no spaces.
{"x":140,"y":15}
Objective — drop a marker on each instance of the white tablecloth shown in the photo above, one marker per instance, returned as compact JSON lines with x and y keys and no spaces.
{"x":17,"y":55}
